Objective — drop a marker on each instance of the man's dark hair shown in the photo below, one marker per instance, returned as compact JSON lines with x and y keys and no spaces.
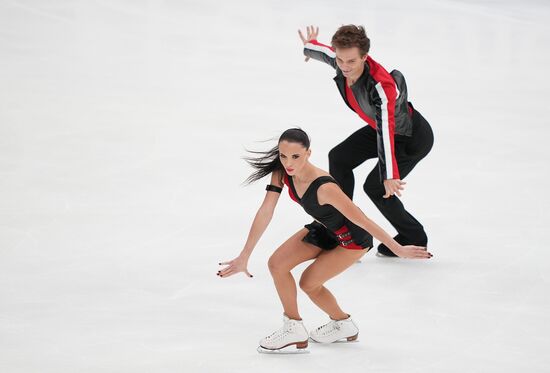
{"x":349,"y":36}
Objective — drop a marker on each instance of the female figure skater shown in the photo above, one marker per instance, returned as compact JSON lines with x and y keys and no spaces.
{"x":337,"y":238}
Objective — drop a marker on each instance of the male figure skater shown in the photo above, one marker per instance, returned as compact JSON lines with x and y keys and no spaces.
{"x":395,"y":132}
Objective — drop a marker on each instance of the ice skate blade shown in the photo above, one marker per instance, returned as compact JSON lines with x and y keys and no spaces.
{"x":288,"y":350}
{"x":351,"y":339}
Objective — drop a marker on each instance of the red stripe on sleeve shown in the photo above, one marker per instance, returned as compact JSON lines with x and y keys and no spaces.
{"x":390,"y":89}
{"x":320,"y":44}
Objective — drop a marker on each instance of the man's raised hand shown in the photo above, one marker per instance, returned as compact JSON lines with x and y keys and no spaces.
{"x":312,"y":33}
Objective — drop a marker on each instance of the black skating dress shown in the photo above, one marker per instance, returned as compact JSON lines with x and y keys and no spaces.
{"x":330,"y":228}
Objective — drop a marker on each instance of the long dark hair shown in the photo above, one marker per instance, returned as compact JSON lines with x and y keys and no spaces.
{"x":268,"y":161}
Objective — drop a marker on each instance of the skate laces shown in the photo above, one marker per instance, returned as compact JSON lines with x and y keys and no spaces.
{"x":329,"y":328}
{"x":287,"y":328}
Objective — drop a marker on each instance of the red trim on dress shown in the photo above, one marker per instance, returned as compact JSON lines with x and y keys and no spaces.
{"x":352,"y":245}
{"x":290,"y":191}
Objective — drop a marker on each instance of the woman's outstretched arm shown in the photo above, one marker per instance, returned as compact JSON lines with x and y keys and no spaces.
{"x":259,"y":225}
{"x":332,"y":194}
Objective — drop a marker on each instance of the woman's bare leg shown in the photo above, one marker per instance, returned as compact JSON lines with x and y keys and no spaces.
{"x":291,"y":253}
{"x":327,"y":265}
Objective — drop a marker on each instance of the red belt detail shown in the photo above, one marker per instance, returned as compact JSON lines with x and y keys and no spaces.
{"x":344,"y":236}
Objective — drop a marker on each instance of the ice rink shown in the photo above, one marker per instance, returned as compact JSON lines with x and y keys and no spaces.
{"x":122,"y":127}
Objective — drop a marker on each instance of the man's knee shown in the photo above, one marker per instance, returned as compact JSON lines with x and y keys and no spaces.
{"x":337,"y":156}
{"x":374,"y":189}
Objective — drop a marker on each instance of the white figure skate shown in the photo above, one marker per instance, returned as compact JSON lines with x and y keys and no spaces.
{"x":292,"y":338}
{"x":336,"y":330}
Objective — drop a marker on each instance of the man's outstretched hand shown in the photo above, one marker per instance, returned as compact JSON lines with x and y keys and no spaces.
{"x":312,"y":33}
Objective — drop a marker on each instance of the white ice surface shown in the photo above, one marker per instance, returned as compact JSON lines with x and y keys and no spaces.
{"x":122,"y":124}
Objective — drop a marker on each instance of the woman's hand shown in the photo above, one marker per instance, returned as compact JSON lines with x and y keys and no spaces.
{"x":233,"y":267}
{"x":413,"y":252}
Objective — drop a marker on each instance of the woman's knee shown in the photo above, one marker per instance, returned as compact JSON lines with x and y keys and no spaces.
{"x":278,"y":264}
{"x":274,"y":264}
{"x":308,"y":285}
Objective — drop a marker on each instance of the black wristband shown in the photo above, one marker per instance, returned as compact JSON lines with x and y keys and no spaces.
{"x":273,"y":188}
